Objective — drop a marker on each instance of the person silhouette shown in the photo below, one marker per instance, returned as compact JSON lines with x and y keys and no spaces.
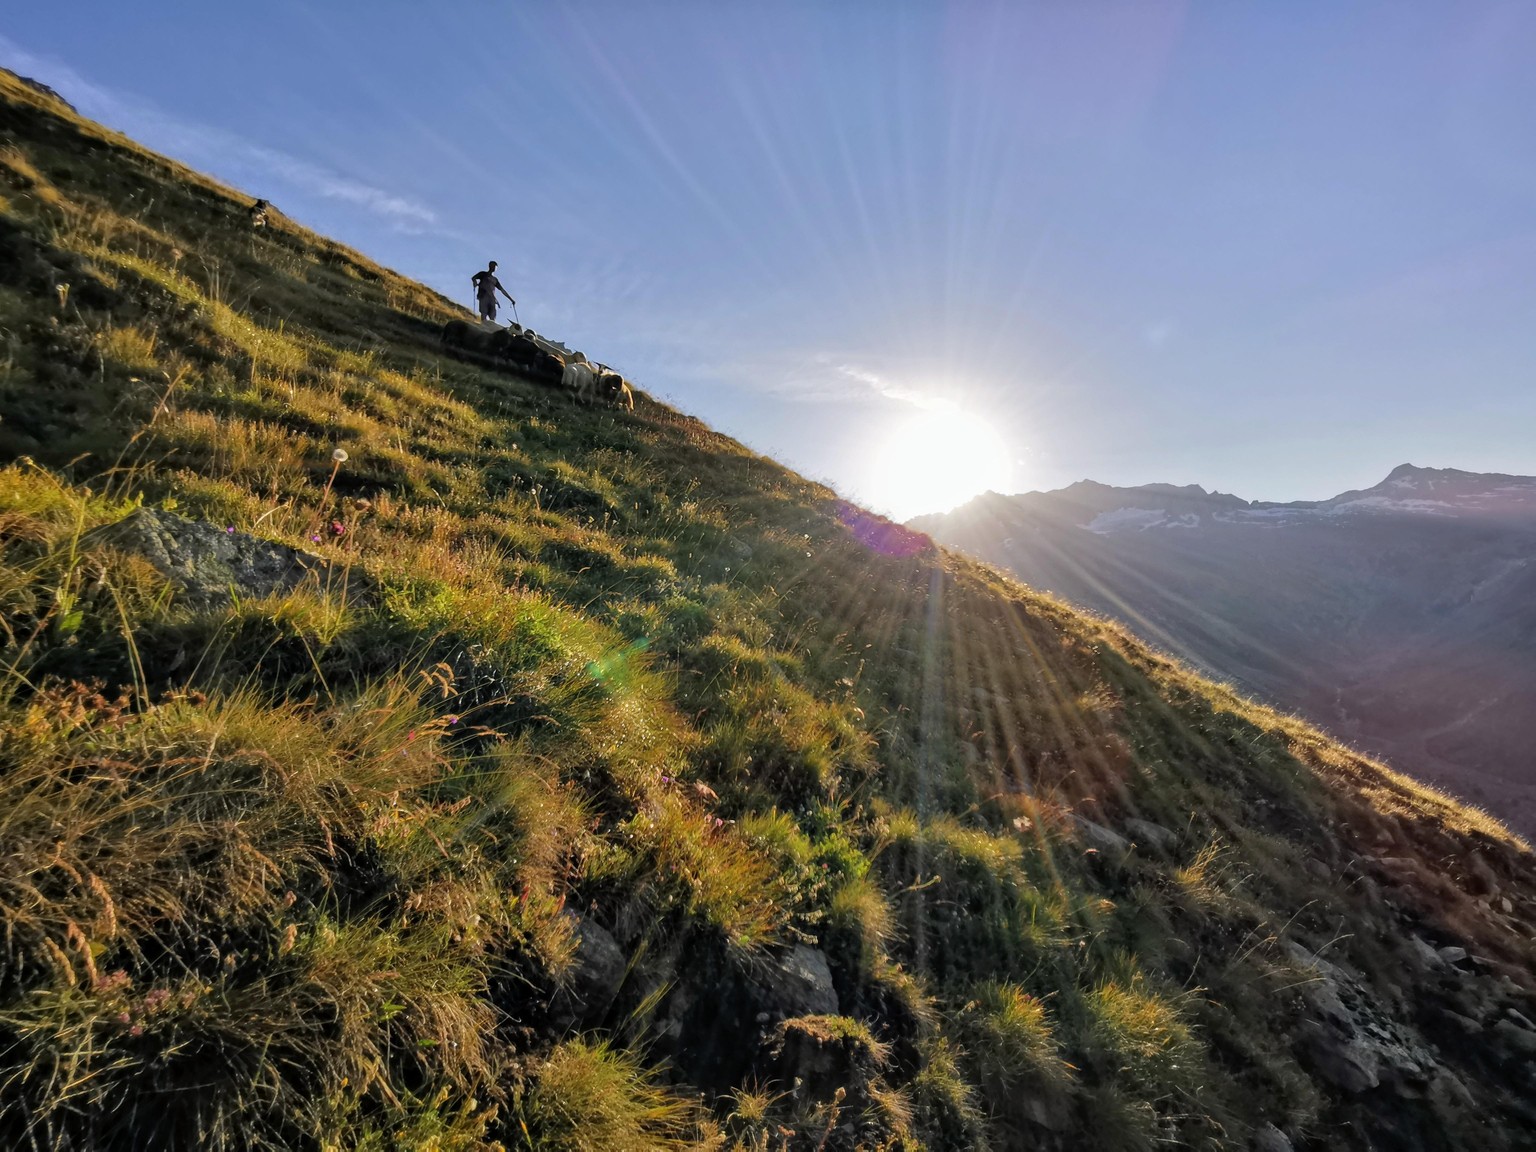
{"x":486,"y":287}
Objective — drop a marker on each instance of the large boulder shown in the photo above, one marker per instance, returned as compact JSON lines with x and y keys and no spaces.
{"x":211,"y":566}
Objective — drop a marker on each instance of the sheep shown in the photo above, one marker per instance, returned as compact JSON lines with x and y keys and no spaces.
{"x":524,"y":351}
{"x":577,"y":376}
{"x":505,"y":348}
{"x":614,"y":388}
{"x":461,"y":338}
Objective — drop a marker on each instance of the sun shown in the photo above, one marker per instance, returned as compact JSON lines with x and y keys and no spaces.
{"x":936,"y":459}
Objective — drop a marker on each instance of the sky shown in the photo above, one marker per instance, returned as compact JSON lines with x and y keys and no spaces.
{"x":917,"y":250}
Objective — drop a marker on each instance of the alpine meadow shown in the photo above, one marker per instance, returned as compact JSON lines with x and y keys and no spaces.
{"x":400,"y":753}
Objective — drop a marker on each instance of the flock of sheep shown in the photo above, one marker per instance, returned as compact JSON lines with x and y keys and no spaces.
{"x":517,"y":349}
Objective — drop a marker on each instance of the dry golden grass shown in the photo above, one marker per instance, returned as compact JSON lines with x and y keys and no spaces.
{"x":301,"y":871}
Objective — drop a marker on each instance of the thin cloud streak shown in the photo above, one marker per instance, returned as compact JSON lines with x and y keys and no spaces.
{"x":222,"y":153}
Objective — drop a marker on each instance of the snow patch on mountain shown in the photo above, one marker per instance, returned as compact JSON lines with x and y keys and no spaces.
{"x":1125,"y":519}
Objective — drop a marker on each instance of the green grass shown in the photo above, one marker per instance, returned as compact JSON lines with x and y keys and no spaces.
{"x":300,"y":871}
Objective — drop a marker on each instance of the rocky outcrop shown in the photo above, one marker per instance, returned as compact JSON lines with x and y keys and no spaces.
{"x":597,"y":971}
{"x":211,"y":566}
{"x":795,"y":983}
{"x":1347,"y":1039}
{"x":824,"y":1056}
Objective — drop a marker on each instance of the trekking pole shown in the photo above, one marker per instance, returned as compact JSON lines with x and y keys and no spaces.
{"x":514,"y":314}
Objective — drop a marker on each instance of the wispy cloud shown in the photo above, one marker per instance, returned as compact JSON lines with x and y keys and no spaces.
{"x":224,"y":154}
{"x":898,"y":392}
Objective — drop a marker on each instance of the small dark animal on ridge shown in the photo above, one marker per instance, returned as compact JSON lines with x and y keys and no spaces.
{"x":258,"y":214}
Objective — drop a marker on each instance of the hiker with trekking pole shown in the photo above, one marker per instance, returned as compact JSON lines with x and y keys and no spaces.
{"x":486,"y":287}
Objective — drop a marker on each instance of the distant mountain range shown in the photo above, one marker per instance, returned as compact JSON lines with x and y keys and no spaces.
{"x":1402,"y":618}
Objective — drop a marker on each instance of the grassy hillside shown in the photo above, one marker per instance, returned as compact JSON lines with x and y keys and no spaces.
{"x":610,"y":787}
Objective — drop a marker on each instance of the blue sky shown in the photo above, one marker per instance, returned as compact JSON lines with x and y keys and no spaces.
{"x":1271,"y":249}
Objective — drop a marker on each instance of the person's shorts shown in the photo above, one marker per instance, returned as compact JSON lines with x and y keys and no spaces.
{"x":488,"y":308}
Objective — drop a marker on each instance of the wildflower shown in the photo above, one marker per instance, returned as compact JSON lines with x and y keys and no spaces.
{"x":338,"y":528}
{"x":316,"y":538}
{"x":340,"y":455}
{"x":136,"y":1030}
{"x":452,"y":720}
{"x":123,"y":1017}
{"x":411,"y":735}
{"x":230,"y":530}
{"x":156,"y":999}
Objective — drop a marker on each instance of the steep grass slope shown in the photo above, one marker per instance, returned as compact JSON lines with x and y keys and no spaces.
{"x":611,"y":787}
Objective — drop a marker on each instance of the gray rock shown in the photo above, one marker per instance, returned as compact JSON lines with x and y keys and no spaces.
{"x":796,"y":983}
{"x":1468,"y":1025}
{"x":1352,"y":1041}
{"x":1453,"y":954}
{"x":1268,"y":1138}
{"x":1151,"y":835}
{"x":821,"y":1054}
{"x":209,"y":565}
{"x":1522,"y":1040}
{"x":597,"y":969}
{"x":1449,"y":1098}
{"x":1519,"y":1019}
{"x":1102,"y":838}
{"x":1423,"y":954}
{"x":1350,"y":1064}
{"x":1051,"y":1110}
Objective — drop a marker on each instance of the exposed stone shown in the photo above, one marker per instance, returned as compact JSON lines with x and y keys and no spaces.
{"x":1351,"y":1040}
{"x":1453,"y":955}
{"x":821,"y":1054}
{"x":209,"y":565}
{"x":1423,"y":953}
{"x":1350,"y":1064}
{"x":1522,"y":1040}
{"x":1051,"y":1110}
{"x":1101,"y":838}
{"x":1152,"y":835}
{"x":596,"y":972}
{"x":796,"y":983}
{"x":1520,"y":1019}
{"x":1268,"y":1138}
{"x":1468,"y":1025}
{"x":1449,"y":1098}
